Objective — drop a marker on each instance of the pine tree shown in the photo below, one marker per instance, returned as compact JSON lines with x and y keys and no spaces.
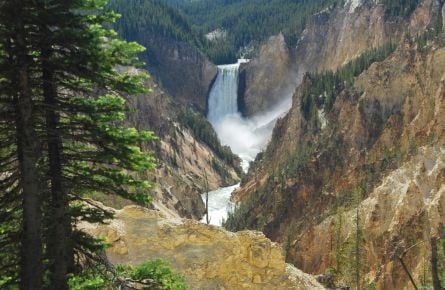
{"x":357,"y":198}
{"x":355,"y":249}
{"x":62,"y":93}
{"x":339,"y":243}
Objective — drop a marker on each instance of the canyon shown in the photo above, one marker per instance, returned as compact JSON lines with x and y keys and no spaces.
{"x":375,"y":159}
{"x":242,"y":144}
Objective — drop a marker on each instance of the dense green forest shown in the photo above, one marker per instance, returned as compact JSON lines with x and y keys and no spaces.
{"x":249,"y":22}
{"x":152,"y":17}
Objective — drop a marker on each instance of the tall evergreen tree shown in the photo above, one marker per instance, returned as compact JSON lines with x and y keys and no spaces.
{"x":62,"y":90}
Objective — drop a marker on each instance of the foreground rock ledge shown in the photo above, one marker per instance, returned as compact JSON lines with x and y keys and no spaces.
{"x":209,"y":257}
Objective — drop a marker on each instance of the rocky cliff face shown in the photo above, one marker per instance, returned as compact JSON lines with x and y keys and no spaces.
{"x":208,"y":256}
{"x":182,"y":159}
{"x":182,"y":70}
{"x":406,"y":208}
{"x":405,"y":205}
{"x":267,"y":79}
{"x":332,"y":38}
{"x":384,"y":135}
{"x":335,"y":36}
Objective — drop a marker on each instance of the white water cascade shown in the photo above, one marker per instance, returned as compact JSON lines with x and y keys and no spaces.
{"x":246,"y":137}
{"x":223,"y":99}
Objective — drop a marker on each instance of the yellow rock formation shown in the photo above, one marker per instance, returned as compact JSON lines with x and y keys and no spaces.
{"x":209,"y":257}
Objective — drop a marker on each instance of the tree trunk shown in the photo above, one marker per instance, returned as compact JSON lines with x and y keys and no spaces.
{"x":405,"y":268}
{"x":434,"y":267}
{"x":31,"y":254}
{"x":207,"y":197}
{"x":60,"y":248}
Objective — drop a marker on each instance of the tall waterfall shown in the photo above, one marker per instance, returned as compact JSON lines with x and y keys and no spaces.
{"x":246,"y":137}
{"x":223,"y":98}
{"x":223,"y":104}
{"x":232,"y":129}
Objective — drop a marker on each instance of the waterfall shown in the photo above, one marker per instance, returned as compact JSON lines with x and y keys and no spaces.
{"x":232,"y":129}
{"x":223,"y":98}
{"x":222,"y":104}
{"x":246,"y":137}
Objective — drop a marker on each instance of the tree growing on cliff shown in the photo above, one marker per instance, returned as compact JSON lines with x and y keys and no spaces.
{"x":347,"y":252}
{"x":442,"y":276}
{"x":399,"y":8}
{"x":338,"y":247}
{"x":357,"y":249}
{"x":326,"y":86}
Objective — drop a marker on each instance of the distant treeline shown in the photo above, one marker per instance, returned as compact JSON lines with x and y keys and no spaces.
{"x":152,"y":17}
{"x":248,"y":22}
{"x":251,"y":21}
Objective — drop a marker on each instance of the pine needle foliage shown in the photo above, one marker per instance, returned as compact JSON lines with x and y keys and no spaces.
{"x":62,"y":134}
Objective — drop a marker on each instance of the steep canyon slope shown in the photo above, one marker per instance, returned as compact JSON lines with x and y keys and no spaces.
{"x":188,"y":148}
{"x":268,"y":78}
{"x":379,"y":149}
{"x":187,"y":153}
{"x":181,"y":69}
{"x":173,"y":54}
{"x":185,"y":162}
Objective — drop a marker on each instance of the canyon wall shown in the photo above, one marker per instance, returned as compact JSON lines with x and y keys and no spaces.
{"x":182,"y":70}
{"x":331,"y":38}
{"x":182,"y":159}
{"x":383,"y":138}
{"x":267,"y":79}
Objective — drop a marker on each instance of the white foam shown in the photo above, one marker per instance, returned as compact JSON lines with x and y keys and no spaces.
{"x":219,"y":204}
{"x":353,"y":4}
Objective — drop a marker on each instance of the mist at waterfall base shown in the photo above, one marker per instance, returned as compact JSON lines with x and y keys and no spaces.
{"x":248,"y":137}
{"x":245,"y":136}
